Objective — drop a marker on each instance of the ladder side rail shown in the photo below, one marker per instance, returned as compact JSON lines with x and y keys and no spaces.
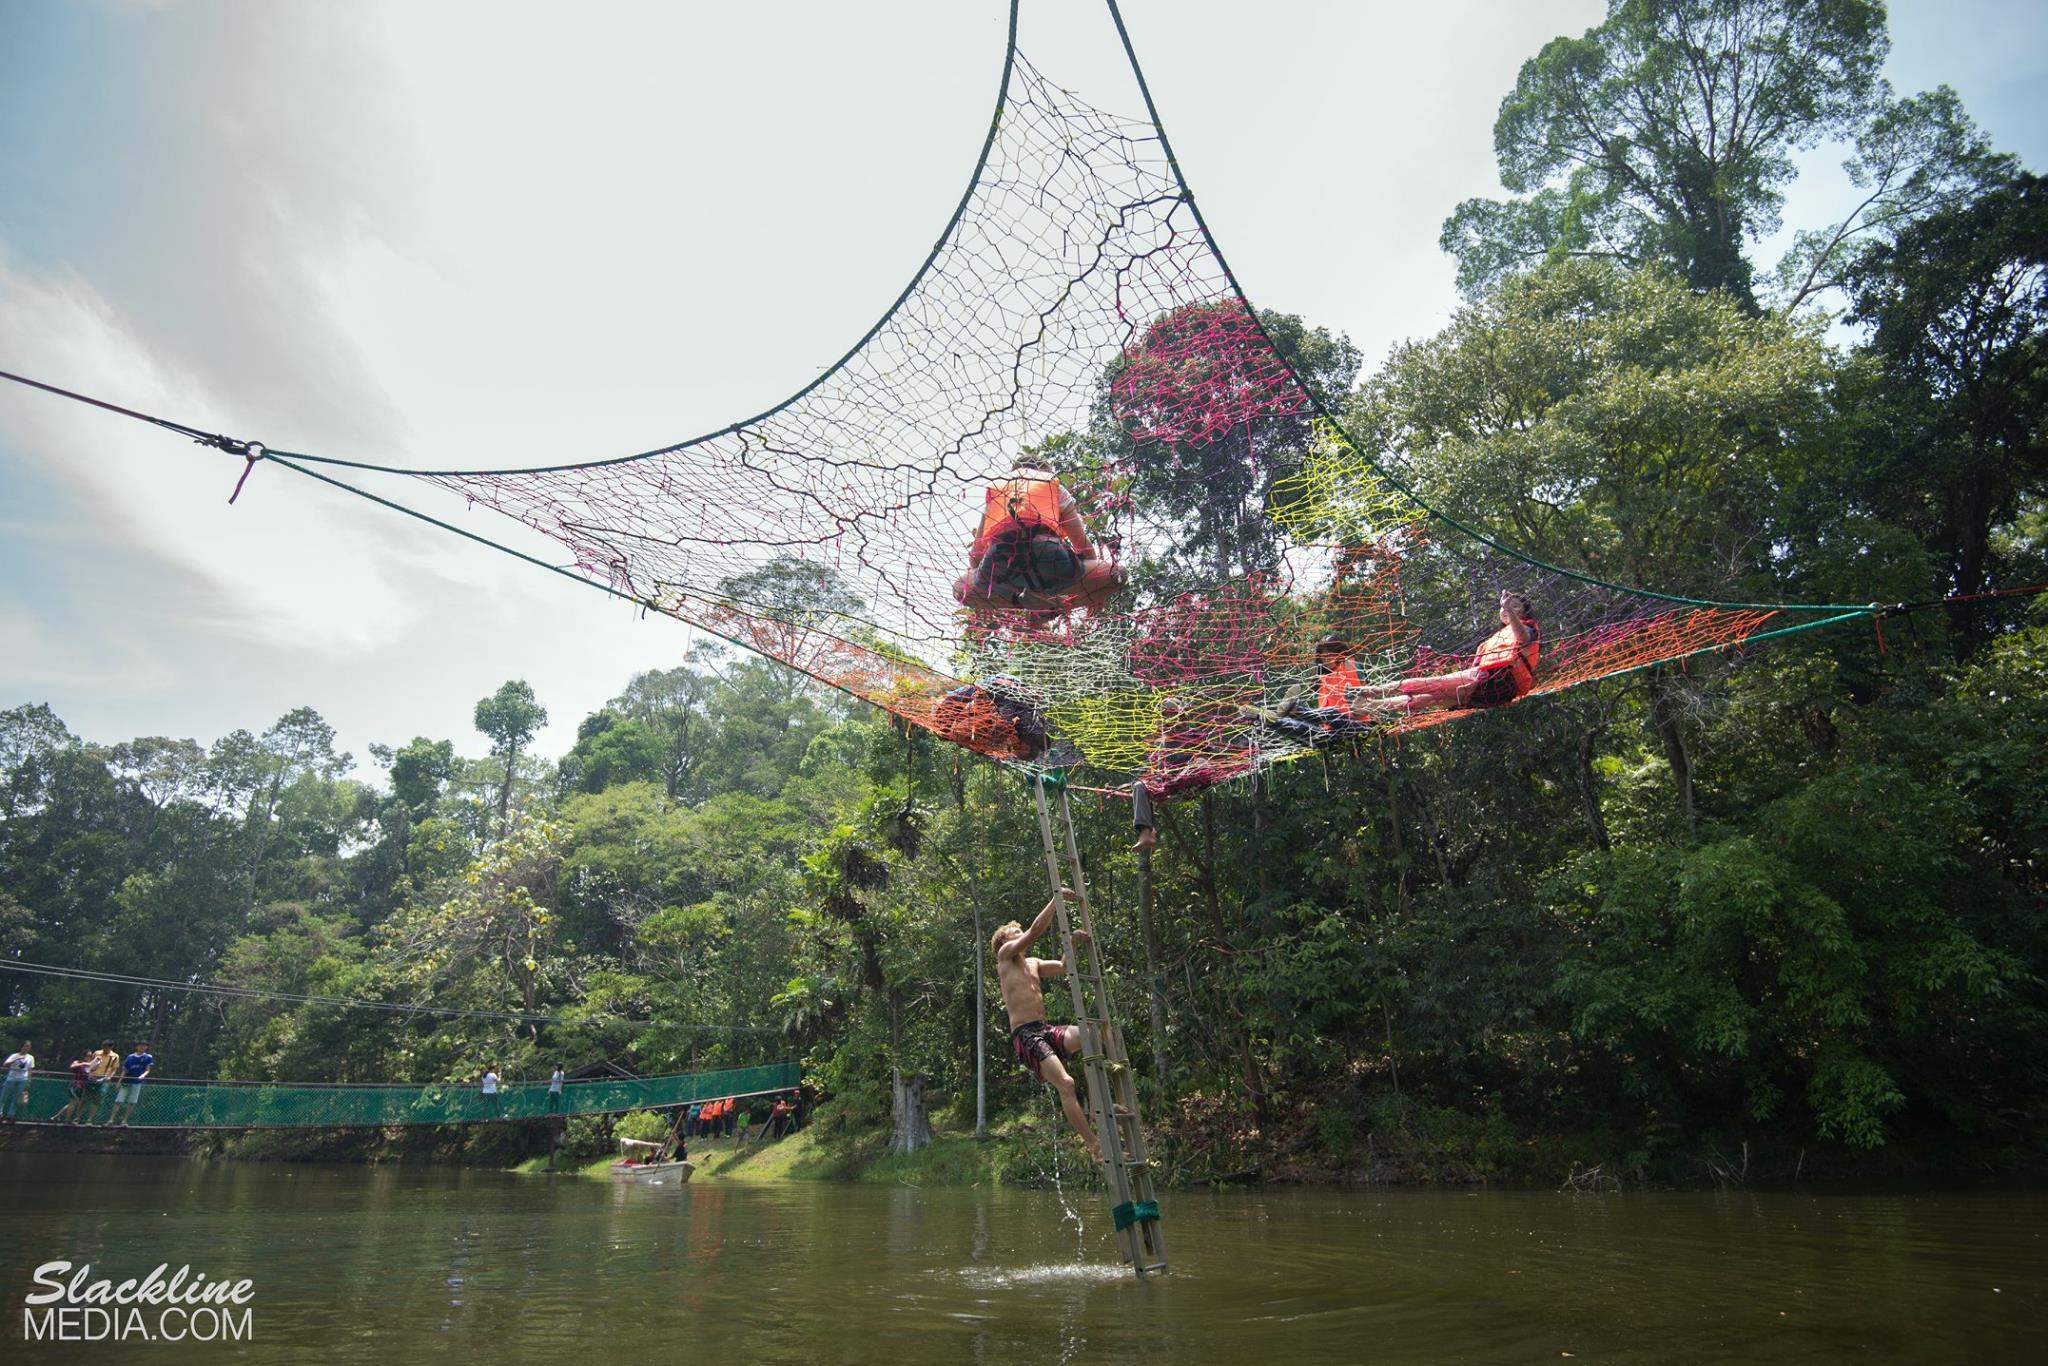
{"x":1102,"y":1101}
{"x":1098,"y":1089}
{"x":1135,"y":1158}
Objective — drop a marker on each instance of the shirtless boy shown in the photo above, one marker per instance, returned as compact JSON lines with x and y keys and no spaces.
{"x":1043,"y":1049}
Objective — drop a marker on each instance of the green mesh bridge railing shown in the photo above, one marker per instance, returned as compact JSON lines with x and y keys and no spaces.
{"x":282,"y":1105}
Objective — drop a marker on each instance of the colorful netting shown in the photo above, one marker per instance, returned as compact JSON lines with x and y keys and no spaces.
{"x":281,"y":1105}
{"x":1078,"y":305}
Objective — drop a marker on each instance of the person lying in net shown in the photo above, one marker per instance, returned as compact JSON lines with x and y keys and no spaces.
{"x":1032,"y":551}
{"x":1330,"y":718}
{"x":1196,"y":746}
{"x":1043,"y":1049}
{"x":1503,"y":670}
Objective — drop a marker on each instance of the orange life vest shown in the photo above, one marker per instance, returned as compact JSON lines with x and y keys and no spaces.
{"x":1330,"y":690}
{"x":1502,"y":651}
{"x":1019,"y":502}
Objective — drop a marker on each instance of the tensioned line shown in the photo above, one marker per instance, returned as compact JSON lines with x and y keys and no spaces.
{"x":350,"y":1002}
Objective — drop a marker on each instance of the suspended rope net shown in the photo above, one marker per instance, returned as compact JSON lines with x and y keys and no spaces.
{"x":1076,"y":306}
{"x":281,"y":1105}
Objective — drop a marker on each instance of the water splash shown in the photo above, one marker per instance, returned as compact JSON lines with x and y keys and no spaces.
{"x":1059,"y":1189}
{"x":1048,"y":1273}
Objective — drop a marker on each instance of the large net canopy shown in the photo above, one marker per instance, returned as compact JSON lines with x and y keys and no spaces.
{"x":1077,"y":307}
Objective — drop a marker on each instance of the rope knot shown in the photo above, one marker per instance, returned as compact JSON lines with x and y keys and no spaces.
{"x":250,"y":451}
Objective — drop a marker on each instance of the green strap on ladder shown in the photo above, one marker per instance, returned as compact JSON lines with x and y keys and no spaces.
{"x":1135,"y":1212}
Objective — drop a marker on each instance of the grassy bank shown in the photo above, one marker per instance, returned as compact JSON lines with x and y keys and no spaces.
{"x":1014,"y":1153}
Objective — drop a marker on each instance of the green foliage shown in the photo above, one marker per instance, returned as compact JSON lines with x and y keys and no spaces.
{"x":1610,"y":420}
{"x":588,"y":1136}
{"x":1957,"y":307}
{"x":510,"y":716}
{"x":1668,"y":134}
{"x":649,"y":1126}
{"x":419,"y":771}
{"x":1214,"y":492}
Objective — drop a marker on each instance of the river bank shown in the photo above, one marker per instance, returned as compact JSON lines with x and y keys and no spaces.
{"x":1203,"y":1142}
{"x":1013,"y":1154}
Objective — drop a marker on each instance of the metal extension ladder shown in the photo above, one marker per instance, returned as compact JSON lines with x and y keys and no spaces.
{"x":1112,"y":1090}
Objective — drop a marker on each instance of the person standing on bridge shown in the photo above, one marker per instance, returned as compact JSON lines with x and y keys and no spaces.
{"x":135,"y":1069}
{"x":21,"y":1065}
{"x":105,"y":1064}
{"x":1043,"y":1049}
{"x":493,"y":1107}
{"x":555,"y":1090}
{"x":81,"y":1091}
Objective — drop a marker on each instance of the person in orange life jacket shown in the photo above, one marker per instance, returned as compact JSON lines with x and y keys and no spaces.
{"x":1502,"y":671}
{"x":1330,"y":718}
{"x":1032,"y":550}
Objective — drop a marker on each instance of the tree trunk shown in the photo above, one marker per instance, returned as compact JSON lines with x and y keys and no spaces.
{"x":1972,"y":557}
{"x":913,"y":1121}
{"x":505,"y":793}
{"x":1400,"y":846}
{"x":1155,"y":984}
{"x":911,"y":1127}
{"x":1209,"y":864}
{"x":980,"y":968}
{"x":1664,"y":716}
{"x":1259,"y":860}
{"x":980,"y":1011}
{"x":1589,"y":787}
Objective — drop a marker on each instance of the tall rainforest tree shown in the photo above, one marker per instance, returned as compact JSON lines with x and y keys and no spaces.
{"x":510,"y":717}
{"x":1666,"y":134}
{"x":1957,"y":309}
{"x":1209,"y":486}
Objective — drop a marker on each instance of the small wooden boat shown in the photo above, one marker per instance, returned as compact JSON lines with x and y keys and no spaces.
{"x":640,"y":1160}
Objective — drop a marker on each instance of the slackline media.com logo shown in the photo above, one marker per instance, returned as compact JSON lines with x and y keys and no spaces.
{"x":75,"y":1304}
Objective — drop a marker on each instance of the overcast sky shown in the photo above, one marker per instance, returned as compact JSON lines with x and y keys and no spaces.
{"x":440,"y":234}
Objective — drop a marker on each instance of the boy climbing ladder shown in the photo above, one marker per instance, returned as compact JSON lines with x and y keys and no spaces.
{"x":1112,"y":1094}
{"x":1044,"y":1049}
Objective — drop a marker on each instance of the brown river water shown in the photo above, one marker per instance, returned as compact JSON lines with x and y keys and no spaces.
{"x":388,"y":1266}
